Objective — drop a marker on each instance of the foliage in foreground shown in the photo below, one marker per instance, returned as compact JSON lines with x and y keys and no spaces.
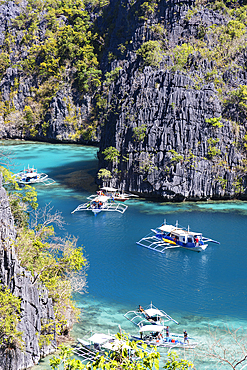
{"x":10,"y":308}
{"x":128,"y":355}
{"x":56,"y":263}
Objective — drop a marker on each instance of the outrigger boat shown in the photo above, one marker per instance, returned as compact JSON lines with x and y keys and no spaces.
{"x":151,"y":315}
{"x":101,"y":203}
{"x":151,"y":323}
{"x":115,"y":194}
{"x":155,"y":335}
{"x":102,"y":344}
{"x":30,"y":175}
{"x":168,"y":237}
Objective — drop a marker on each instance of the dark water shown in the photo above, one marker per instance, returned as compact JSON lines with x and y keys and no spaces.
{"x":200,"y":290}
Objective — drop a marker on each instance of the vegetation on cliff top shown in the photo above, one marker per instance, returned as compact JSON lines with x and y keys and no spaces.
{"x":56,"y":263}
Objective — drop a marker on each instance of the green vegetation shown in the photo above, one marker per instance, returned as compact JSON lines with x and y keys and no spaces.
{"x":215,"y":122}
{"x":212,"y":150}
{"x":104,"y":174}
{"x":112,"y":76}
{"x":111,"y":154}
{"x":174,"y":362}
{"x":10,"y":308}
{"x":146,"y":164}
{"x":54,"y":262}
{"x":66,"y":48}
{"x":139,"y":132}
{"x":238,"y":97}
{"x":118,"y":359}
{"x":181,"y":54}
{"x":4,"y":63}
{"x":175,"y":156}
{"x":151,"y":53}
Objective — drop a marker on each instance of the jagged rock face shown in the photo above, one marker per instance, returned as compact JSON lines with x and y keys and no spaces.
{"x":36,"y":307}
{"x":174,"y":113}
{"x":182,"y":157}
{"x":67,"y":111}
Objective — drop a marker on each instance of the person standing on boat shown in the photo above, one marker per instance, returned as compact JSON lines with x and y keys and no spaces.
{"x":196,"y":240}
{"x":185,"y":337}
{"x":167,"y":331}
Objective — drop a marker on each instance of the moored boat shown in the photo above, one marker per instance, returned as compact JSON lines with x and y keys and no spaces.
{"x":151,"y":315}
{"x":30,"y":175}
{"x":156,"y":335}
{"x":168,"y":237}
{"x":104,"y":344}
{"x":153,"y":328}
{"x":101,"y":203}
{"x":115,"y":194}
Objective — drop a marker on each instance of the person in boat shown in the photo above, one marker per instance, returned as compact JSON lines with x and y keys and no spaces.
{"x":196,"y":240}
{"x":141,"y":309}
{"x":186,"y":337}
{"x":167,"y":331}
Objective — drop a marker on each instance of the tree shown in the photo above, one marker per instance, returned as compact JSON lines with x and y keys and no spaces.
{"x":55,"y":262}
{"x":127,"y":355}
{"x":111,"y":154}
{"x":10,"y":308}
{"x":151,"y":53}
{"x":104,"y":174}
{"x":139,"y":133}
{"x":174,"y":362}
{"x":230,"y":349}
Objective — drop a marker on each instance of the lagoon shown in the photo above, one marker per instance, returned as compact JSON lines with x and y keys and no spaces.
{"x":200,"y":290}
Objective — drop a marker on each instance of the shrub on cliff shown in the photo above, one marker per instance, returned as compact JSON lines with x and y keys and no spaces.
{"x":151,"y":53}
{"x":10,"y":308}
{"x":55,"y":262}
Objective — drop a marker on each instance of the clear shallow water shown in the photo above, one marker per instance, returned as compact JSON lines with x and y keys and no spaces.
{"x":198,"y":289}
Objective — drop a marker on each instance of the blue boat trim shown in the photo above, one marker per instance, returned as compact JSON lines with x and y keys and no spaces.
{"x":169,"y":237}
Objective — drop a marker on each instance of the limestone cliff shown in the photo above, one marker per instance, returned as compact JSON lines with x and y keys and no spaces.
{"x":36,"y":307}
{"x":169,"y":91}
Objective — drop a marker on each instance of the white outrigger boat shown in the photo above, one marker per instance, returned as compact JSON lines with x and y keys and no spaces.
{"x":153,"y":329}
{"x":103,"y":344}
{"x":115,"y":194}
{"x":101,"y":203}
{"x":30,"y":175}
{"x":151,"y":315}
{"x":155,"y":335}
{"x":169,"y":237}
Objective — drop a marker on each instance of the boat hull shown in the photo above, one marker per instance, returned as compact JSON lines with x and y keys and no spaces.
{"x":167,"y":343}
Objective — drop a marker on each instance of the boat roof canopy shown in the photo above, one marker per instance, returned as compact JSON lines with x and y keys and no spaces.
{"x":100,"y":198}
{"x":177,"y":230}
{"x":108,"y":188}
{"x":152,"y":328}
{"x":154,"y":312}
{"x":167,"y":228}
{"x":100,"y":338}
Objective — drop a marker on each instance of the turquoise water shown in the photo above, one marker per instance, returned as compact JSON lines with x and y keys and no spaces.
{"x":200,"y":290}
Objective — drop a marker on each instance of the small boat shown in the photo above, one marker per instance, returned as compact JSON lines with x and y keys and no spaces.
{"x":168,"y":237}
{"x":30,"y":175}
{"x":155,"y":335}
{"x":116,"y":194}
{"x":151,"y":315}
{"x":101,"y":203}
{"x":103,"y":344}
{"x":153,"y":329}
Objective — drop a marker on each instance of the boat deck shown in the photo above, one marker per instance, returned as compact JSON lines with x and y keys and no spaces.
{"x":85,"y":350}
{"x":110,"y":207}
{"x":151,"y":242}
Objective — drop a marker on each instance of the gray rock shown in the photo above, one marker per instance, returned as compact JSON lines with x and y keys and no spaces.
{"x":36,"y":307}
